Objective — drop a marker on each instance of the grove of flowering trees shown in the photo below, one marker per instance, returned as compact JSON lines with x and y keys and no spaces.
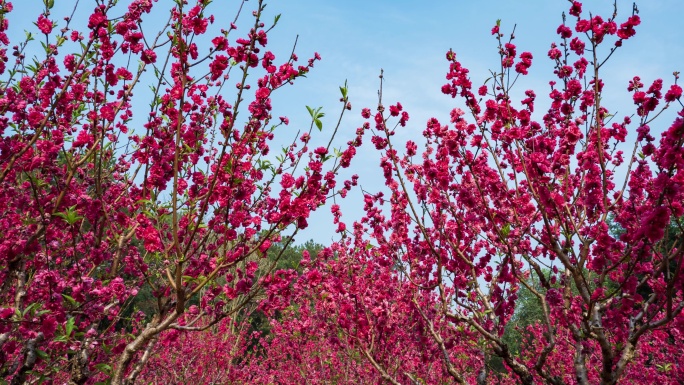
{"x":148,"y":207}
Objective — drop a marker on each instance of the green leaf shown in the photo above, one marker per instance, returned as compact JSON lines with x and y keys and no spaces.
{"x":144,"y":201}
{"x":30,"y":308}
{"x":69,"y":215}
{"x":275,"y":21}
{"x":263,"y":165}
{"x":104,"y":368}
{"x":506,"y":230}
{"x":42,"y":354}
{"x":344,"y":90}
{"x":187,"y":278}
{"x":69,"y":299}
{"x":319,"y":124}
{"x":316,"y":115}
{"x":69,"y":326}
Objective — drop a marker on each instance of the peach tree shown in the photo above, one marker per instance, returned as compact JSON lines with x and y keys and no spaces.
{"x":135,"y":157}
{"x":506,"y":196}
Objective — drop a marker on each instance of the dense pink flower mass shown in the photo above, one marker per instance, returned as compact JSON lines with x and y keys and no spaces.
{"x":499,"y":205}
{"x":44,"y":24}
{"x":122,"y":224}
{"x":145,"y":240}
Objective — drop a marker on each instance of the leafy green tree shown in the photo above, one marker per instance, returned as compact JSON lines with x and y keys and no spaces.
{"x":289,"y":257}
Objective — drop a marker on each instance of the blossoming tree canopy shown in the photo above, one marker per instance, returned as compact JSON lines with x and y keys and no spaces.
{"x":109,"y":190}
{"x":499,"y":199}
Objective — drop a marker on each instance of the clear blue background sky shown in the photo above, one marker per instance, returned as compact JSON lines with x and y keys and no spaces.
{"x":409,"y":39}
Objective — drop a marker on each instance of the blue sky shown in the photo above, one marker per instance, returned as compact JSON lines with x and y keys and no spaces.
{"x":408,"y":40}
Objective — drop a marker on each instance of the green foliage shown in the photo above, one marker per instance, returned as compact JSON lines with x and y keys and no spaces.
{"x":291,"y":256}
{"x":316,"y":116}
{"x":528,"y":311}
{"x":285,"y":257}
